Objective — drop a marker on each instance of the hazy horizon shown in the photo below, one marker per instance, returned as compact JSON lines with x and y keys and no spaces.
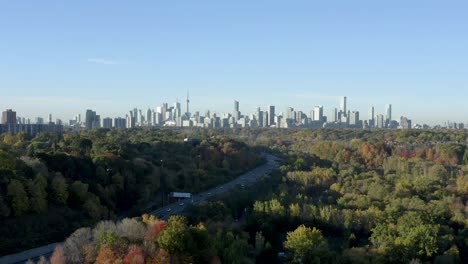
{"x":66,"y":57}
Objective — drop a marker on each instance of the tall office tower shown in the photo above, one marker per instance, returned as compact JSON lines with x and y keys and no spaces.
{"x":158,"y":121}
{"x":9,"y":117}
{"x":91,"y":118}
{"x":405,"y":123}
{"x":388,"y":113}
{"x":134,"y":114}
{"x":335,"y":115}
{"x":177,"y":111}
{"x":380,"y":121}
{"x":266,"y":119}
{"x":271,"y":114}
{"x":140,"y":119}
{"x":371,"y":117}
{"x":343,"y":104}
{"x":354,"y":118}
{"x":164,"y":111}
{"x":298,"y":116}
{"x":120,"y":122}
{"x":153,"y":117}
{"x":259,"y":117}
{"x":318,"y":113}
{"x":149,"y":118}
{"x":289,"y":114}
{"x":236,"y":106}
{"x":97,"y":122}
{"x":107,"y":122}
{"x":50,"y":118}
{"x":236,"y":113}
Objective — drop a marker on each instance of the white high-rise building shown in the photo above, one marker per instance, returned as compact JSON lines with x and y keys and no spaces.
{"x":371,"y":117}
{"x":380,"y":121}
{"x":318,"y":113}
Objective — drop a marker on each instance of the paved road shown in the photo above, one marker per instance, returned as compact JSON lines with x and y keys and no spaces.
{"x":246,"y":180}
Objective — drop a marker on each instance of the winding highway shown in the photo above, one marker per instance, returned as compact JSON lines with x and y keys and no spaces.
{"x":245,"y":180}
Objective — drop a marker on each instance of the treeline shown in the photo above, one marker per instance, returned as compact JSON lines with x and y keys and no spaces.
{"x":365,"y":201}
{"x":52,"y":184}
{"x":150,"y":240}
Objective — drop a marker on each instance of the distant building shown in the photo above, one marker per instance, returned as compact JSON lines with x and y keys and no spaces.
{"x":31,"y":129}
{"x":39,"y":120}
{"x":335,"y":115}
{"x":354,"y":119}
{"x":318,"y":113}
{"x":405,"y":123}
{"x":371,"y":117}
{"x":120,"y":122}
{"x":9,"y":117}
{"x":107,"y":122}
{"x":271,"y":114}
{"x":343,"y":104}
{"x":380,"y":121}
{"x":388,"y":114}
{"x":92,"y":120}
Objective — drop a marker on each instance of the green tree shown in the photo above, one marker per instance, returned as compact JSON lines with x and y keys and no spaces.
{"x":19,"y":197}
{"x":306,"y":243}
{"x":38,"y":192}
{"x":59,"y":189}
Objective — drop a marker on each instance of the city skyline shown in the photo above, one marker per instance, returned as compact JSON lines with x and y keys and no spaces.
{"x":173,"y":115}
{"x":100,"y":107}
{"x":111,"y":56}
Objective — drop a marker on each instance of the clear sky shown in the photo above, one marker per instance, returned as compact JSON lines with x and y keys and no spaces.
{"x":62,"y":57}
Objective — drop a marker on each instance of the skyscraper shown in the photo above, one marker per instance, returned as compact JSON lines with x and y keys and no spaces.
{"x":271,"y":114}
{"x":149,"y":117}
{"x":335,"y":115}
{"x":354,"y":119}
{"x":120,"y":122}
{"x":9,"y":117}
{"x":236,"y":111}
{"x":90,"y":119}
{"x":388,"y":113}
{"x":289,"y":114}
{"x":371,"y":117}
{"x":107,"y":122}
{"x":380,"y":121}
{"x":318,"y":113}
{"x":343,"y":105}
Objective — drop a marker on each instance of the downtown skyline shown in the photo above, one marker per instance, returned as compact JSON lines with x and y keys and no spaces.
{"x":178,"y":114}
{"x":62,"y":58}
{"x":109,"y":108}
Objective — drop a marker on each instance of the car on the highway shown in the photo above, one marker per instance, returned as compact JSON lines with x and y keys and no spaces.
{"x":181,"y":204}
{"x":168,"y":209}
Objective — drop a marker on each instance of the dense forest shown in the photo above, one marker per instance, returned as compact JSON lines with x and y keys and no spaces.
{"x":52,"y":184}
{"x":340,"y":196}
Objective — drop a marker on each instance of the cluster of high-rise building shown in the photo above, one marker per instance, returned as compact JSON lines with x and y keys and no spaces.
{"x":13,"y":124}
{"x":173,"y":116}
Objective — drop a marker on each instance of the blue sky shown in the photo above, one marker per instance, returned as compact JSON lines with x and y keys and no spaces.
{"x":62,"y":57}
